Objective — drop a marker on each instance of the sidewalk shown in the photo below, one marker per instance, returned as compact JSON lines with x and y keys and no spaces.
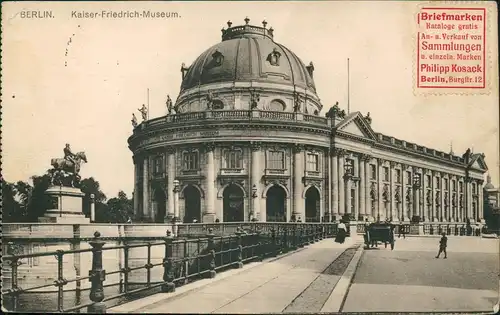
{"x":269,"y":286}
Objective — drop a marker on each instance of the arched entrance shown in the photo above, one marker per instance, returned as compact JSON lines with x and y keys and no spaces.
{"x":161,"y":207}
{"x":312,"y":205}
{"x":192,"y":204}
{"x":233,"y":204}
{"x":276,"y":204}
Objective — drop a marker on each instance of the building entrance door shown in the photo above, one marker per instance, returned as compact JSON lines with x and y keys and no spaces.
{"x":192,"y":204}
{"x":276,"y":204}
{"x":312,"y":205}
{"x":233,"y":208}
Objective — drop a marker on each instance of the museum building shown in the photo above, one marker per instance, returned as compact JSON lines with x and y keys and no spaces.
{"x":244,"y":141}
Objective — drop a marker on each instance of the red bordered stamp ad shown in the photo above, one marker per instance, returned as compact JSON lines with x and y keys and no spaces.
{"x":454,"y":47}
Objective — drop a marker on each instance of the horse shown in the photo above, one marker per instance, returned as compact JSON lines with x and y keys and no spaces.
{"x":61,"y":164}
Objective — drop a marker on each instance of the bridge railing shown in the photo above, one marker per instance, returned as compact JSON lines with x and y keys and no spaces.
{"x":185,"y":260}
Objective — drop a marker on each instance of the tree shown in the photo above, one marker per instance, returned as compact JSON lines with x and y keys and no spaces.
{"x":38,"y":201}
{"x":91,"y":186}
{"x":120,"y":208}
{"x":10,"y":207}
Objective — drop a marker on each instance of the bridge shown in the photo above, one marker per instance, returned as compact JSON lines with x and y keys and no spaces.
{"x":269,"y":268}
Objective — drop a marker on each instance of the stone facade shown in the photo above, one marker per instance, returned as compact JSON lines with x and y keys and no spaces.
{"x":252,"y":146}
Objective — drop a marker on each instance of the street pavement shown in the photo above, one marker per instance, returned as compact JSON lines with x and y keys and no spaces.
{"x":411,"y":279}
{"x":407,"y":279}
{"x":293,"y":283}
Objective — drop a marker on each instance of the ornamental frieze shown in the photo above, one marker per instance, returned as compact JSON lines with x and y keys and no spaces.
{"x":314,"y":182}
{"x":275,"y":181}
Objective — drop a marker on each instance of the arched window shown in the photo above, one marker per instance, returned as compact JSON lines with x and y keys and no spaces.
{"x":277,"y":106}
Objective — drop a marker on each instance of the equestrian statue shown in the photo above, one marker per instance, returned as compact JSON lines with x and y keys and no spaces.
{"x":65,"y":171}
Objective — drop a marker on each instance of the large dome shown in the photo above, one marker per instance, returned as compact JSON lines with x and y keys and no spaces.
{"x":248,"y":53}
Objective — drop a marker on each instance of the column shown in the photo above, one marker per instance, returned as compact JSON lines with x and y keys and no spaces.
{"x":298,"y":173}
{"x":480,"y":206}
{"x":416,"y":208}
{"x":145,"y":190}
{"x":423,"y":178}
{"x":341,"y":171}
{"x":450,"y":206}
{"x":392,"y":214}
{"x":433,"y":190}
{"x":329,"y":211}
{"x":366,"y":181}
{"x":170,"y":158}
{"x":469,"y":193}
{"x":255,"y":179}
{"x":348,"y":204}
{"x":335,"y":183}
{"x":137,"y":210}
{"x":404,"y":206}
{"x":380,"y":188}
{"x":362,"y":187}
{"x":441,"y":180}
{"x":209,"y":215}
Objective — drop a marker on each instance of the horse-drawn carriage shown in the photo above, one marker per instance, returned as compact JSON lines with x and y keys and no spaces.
{"x":379,"y":232}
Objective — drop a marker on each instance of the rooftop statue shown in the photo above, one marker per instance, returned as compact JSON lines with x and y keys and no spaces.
{"x":65,"y":171}
{"x":169,"y":105}
{"x":144,"y":112}
{"x":134,"y":120}
{"x":335,"y":111}
{"x":368,"y":118}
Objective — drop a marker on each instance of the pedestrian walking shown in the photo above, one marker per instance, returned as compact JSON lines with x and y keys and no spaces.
{"x":341,"y":233}
{"x":443,"y":242}
{"x":401,"y":230}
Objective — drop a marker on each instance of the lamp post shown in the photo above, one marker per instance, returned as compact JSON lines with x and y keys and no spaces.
{"x":176,"y":200}
{"x":92,"y":208}
{"x":348,"y":175}
{"x":254,"y":195}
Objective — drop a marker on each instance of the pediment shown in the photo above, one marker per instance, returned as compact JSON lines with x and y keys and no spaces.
{"x":355,"y":125}
{"x":479,"y":163}
{"x":353,"y":129}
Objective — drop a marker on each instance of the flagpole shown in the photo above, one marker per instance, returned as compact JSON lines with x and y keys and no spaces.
{"x":348,"y":89}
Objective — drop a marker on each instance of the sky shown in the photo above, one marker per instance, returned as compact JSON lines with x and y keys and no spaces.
{"x":83,"y":91}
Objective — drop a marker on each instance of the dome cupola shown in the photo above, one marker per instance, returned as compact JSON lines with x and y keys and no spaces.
{"x":248,"y":53}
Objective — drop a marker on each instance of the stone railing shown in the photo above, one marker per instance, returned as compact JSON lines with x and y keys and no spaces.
{"x":238,"y":115}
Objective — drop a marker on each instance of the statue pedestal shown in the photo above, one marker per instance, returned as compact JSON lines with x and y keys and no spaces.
{"x":67,"y":203}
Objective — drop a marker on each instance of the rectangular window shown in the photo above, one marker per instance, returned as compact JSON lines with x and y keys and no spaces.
{"x":474,"y":189}
{"x":461,"y":185}
{"x":408,"y":178}
{"x":427,"y":180}
{"x":312,"y":162}
{"x":398,"y":176}
{"x":276,"y":160}
{"x":454,"y":185}
{"x":190,"y":161}
{"x":232,"y":159}
{"x":386,"y":173}
{"x":373,"y":171}
{"x":445,"y":184}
